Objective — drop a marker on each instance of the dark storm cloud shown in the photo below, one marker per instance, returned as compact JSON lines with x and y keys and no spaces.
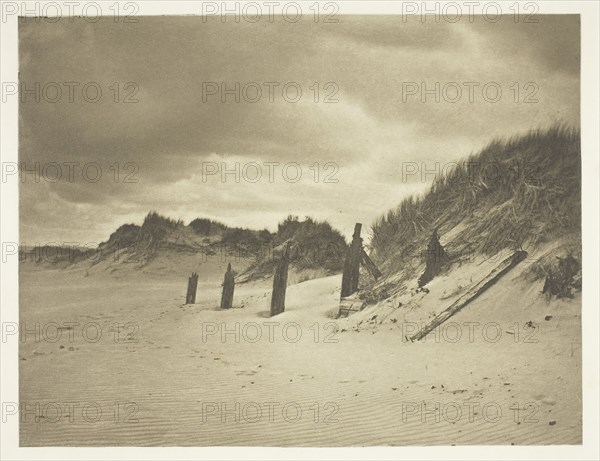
{"x":170,"y":131}
{"x":553,"y":41}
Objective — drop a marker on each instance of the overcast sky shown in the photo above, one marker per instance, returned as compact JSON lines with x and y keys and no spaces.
{"x":369,"y":133}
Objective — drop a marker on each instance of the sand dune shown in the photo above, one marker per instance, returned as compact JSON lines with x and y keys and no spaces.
{"x":360,"y":385}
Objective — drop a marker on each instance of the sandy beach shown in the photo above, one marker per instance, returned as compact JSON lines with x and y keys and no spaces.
{"x":141,"y":368}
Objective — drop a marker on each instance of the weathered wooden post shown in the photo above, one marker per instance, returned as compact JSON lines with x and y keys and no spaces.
{"x":280,"y":284}
{"x":436,"y":257}
{"x":190,"y":297}
{"x":228,"y":287}
{"x":352,"y":264}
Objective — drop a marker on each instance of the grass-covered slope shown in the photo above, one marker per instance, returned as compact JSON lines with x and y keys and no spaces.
{"x":315,"y":249}
{"x":520,"y":192}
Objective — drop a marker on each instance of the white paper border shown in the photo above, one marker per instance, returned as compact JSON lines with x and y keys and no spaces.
{"x":590,"y":122}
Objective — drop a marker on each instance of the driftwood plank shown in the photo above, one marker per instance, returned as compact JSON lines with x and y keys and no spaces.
{"x":472,"y":293}
{"x":370,"y":265}
{"x":350,"y":305}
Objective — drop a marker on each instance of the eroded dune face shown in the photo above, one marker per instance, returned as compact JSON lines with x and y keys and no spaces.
{"x":125,"y":362}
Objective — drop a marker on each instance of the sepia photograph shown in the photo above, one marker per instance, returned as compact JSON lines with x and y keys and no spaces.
{"x":317,"y":225}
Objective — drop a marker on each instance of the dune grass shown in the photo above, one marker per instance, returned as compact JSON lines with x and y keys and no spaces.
{"x":315,"y":248}
{"x":514,"y":193}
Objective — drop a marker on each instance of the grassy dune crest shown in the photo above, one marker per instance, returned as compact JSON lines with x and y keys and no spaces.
{"x":519,"y":192}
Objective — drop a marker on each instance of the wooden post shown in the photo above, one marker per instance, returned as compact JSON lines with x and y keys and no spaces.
{"x":346,"y":289}
{"x":436,"y":257}
{"x":228,"y":286}
{"x":280,"y":284}
{"x":352,"y":264}
{"x":190,"y":297}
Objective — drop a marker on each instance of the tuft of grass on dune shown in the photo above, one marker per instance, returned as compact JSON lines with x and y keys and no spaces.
{"x":516,"y":192}
{"x":314,"y":248}
{"x":205,"y":226}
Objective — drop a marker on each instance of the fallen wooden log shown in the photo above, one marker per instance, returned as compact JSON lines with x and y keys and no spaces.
{"x":472,"y":293}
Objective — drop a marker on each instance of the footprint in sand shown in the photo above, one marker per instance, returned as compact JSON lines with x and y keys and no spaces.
{"x":245,"y":373}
